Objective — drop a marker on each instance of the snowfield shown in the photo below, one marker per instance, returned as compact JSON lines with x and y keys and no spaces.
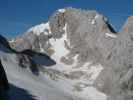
{"x":42,"y":87}
{"x":38,"y":86}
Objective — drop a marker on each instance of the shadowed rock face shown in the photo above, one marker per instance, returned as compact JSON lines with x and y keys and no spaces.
{"x":4,"y":45}
{"x":17,"y":93}
{"x":39,"y":58}
{"x":3,"y":79}
{"x":4,"y":85}
{"x":34,"y":60}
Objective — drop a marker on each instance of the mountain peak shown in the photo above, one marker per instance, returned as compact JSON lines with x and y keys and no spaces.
{"x":85,"y":51}
{"x":38,"y":29}
{"x":62,"y":10}
{"x":128,"y":26}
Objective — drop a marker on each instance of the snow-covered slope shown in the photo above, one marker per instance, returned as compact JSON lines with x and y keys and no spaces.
{"x":38,"y":86}
{"x":42,"y":88}
{"x":27,"y":86}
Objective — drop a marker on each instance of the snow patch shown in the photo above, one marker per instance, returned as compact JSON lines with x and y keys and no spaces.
{"x":93,"y":22}
{"x":97,"y":16}
{"x":12,"y":41}
{"x":111,"y":35}
{"x":91,"y":93}
{"x":95,"y":71}
{"x":91,"y":70}
{"x":59,"y":46}
{"x":41,"y":48}
{"x":62,"y":10}
{"x":38,"y":29}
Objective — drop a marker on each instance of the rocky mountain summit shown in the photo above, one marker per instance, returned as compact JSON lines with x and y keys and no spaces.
{"x":88,"y":52}
{"x":77,"y":29}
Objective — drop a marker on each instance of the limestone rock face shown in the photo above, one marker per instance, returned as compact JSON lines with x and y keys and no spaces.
{"x":87,"y":33}
{"x":128,"y":26}
{"x":86,"y":47}
{"x":116,"y":79}
{"x":79,"y":41}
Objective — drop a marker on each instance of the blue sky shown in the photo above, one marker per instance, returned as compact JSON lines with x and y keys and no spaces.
{"x":16,"y":16}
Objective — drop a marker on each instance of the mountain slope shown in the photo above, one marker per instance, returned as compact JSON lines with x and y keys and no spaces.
{"x":79,"y":41}
{"x":38,"y":86}
{"x":89,"y":54}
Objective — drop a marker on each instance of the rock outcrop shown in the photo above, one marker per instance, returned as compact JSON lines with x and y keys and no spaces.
{"x":116,"y":79}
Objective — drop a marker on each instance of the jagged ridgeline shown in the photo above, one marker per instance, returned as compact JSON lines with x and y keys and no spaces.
{"x":87,"y":50}
{"x":80,"y":31}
